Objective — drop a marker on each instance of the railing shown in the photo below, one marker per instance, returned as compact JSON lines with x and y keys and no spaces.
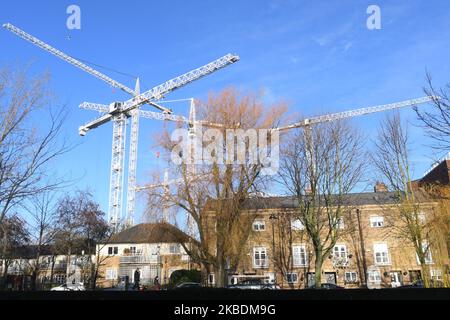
{"x":138,"y":259}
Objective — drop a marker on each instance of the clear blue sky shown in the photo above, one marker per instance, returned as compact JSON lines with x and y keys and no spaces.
{"x":319,"y":56}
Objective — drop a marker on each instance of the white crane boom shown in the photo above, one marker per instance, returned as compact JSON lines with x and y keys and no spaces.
{"x":157,"y":93}
{"x":357,"y":112}
{"x":65,"y":57}
{"x":148,"y":115}
{"x":41,"y":44}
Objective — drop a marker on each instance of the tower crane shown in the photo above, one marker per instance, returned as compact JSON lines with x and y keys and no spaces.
{"x":119,"y":113}
{"x":305,"y":123}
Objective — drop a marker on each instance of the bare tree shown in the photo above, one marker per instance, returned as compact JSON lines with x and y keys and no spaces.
{"x":320,"y":166}
{"x":42,"y":211}
{"x":391,"y":159}
{"x":81,"y":225}
{"x":437,"y":121}
{"x":215,"y":199}
{"x":94,"y":229}
{"x":283,"y":238}
{"x":26,"y":149}
{"x":13,"y":235}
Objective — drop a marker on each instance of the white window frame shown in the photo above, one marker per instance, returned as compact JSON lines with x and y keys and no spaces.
{"x":297,"y":225}
{"x":436,"y":274}
{"x":374,"y":276}
{"x":184,"y":257}
{"x":422,"y":217}
{"x":353,"y":277}
{"x":339,"y":253}
{"x":299,"y":261}
{"x":381,"y":256}
{"x":175,"y":245}
{"x":133,"y":251}
{"x":259,"y":225}
{"x":114,"y":250}
{"x":341,"y":223}
{"x":377,"y":222}
{"x":260,"y":262}
{"x":290,"y":275}
{"x":428,"y":254}
{"x":111,"y":274}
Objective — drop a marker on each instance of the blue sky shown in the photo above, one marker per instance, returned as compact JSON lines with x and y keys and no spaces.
{"x":319,"y":56}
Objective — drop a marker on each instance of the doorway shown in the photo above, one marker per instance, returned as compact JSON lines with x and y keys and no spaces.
{"x":396,"y":279}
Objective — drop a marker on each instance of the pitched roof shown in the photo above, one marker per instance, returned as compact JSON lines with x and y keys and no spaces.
{"x":150,"y":233}
{"x":353,"y":199}
{"x":30,"y":251}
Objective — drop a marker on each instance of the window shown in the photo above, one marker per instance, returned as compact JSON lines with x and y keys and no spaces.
{"x":351,"y":277}
{"x":133,"y":251}
{"x":374,"y":276}
{"x":292,"y":278}
{"x":381,"y":253}
{"x":260,"y":258}
{"x":421,"y":216}
{"x":113,"y":251}
{"x":175,"y":249}
{"x":211,"y":279}
{"x":340,"y":223}
{"x":436,"y":274}
{"x":377,"y":222}
{"x":111,"y":274}
{"x":60,"y":278}
{"x":427,"y":254}
{"x":259,"y":225}
{"x":185,"y":257}
{"x":299,"y":256}
{"x":340,"y":252}
{"x":297,"y":224}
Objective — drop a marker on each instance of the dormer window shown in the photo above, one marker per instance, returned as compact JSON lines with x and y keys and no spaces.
{"x":259,"y":226}
{"x":376,"y":222}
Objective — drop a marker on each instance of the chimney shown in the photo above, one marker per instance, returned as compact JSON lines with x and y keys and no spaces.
{"x":380,"y":187}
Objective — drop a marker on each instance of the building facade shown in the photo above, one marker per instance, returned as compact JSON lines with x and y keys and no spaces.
{"x":52,"y":269}
{"x":153,"y":249}
{"x":369,"y":253}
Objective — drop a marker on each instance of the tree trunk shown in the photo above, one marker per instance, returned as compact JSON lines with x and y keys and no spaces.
{"x":5,"y":275}
{"x":318,"y":270}
{"x":52,"y":270}
{"x":221,"y":277}
{"x":363,"y":250}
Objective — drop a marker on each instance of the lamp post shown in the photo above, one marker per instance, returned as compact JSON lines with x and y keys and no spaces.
{"x":272,"y":219}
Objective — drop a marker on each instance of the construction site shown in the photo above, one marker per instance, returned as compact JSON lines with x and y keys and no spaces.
{"x":218,"y":178}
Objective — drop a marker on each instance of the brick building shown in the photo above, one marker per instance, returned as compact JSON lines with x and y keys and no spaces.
{"x":369,"y":251}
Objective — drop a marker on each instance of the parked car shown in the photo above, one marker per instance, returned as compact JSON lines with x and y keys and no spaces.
{"x":188,"y":285}
{"x":327,"y":286}
{"x":254,"y":284}
{"x":418,"y":284}
{"x":70,"y":287}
